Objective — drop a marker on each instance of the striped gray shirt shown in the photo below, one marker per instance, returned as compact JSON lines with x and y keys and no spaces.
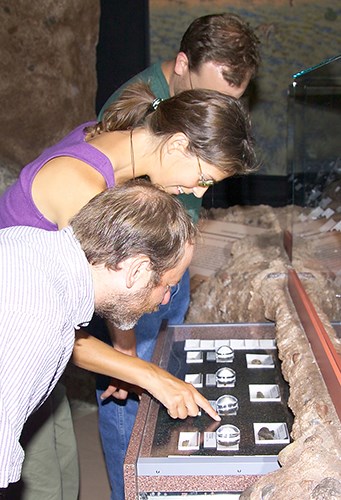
{"x":46,"y":292}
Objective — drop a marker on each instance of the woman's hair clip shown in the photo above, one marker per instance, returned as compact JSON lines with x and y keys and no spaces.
{"x":155,"y":103}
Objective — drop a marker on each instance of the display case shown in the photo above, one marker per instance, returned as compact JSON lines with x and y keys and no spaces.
{"x":314,"y":154}
{"x":236,"y":367}
{"x":313,"y":240}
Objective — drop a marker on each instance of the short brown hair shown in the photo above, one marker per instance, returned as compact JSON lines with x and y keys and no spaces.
{"x":225,"y":39}
{"x":136,"y":218}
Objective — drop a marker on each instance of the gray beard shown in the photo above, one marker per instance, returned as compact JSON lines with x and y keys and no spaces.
{"x":123,"y":310}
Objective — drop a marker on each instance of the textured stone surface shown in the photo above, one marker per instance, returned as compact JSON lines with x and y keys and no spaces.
{"x":48,"y":74}
{"x":8,"y":174}
{"x":311,"y":464}
{"x":315,"y":453}
{"x":233,"y":294}
{"x":48,"y":85}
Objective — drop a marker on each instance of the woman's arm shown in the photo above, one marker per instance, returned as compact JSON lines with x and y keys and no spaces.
{"x":181,"y":399}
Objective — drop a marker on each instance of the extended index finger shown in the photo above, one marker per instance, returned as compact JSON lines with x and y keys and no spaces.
{"x":205,"y":405}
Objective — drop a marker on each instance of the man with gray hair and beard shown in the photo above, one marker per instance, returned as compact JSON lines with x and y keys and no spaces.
{"x":119,"y":257}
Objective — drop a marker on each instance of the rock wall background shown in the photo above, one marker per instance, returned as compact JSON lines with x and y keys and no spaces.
{"x":48,"y":65}
{"x":294,"y":35}
{"x":48,"y":75}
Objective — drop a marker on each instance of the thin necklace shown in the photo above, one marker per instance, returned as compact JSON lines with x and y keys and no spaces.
{"x":132,"y":157}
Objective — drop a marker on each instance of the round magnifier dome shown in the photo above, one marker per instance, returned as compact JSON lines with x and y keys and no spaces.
{"x":228,"y":434}
{"x":227,"y":404}
{"x":224,"y":352}
{"x":225,"y":376}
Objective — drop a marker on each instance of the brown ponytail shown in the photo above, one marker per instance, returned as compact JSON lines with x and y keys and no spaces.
{"x":128,"y":112}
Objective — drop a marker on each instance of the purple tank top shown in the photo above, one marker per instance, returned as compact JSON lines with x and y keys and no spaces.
{"x":16,"y":204}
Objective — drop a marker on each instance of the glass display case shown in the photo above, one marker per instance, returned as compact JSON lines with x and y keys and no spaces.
{"x":236,"y":367}
{"x":314,"y":242}
{"x":314,"y":155}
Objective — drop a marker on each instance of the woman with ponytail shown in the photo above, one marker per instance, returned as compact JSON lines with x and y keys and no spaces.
{"x":185,"y":144}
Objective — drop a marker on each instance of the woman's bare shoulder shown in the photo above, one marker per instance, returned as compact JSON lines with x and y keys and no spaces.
{"x":63,"y":186}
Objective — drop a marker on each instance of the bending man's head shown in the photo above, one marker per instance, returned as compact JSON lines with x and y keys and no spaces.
{"x":139,"y":241}
{"x":217,"y":52}
{"x":136,"y":218}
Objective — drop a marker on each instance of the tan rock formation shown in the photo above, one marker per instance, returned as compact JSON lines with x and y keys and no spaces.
{"x":48,"y":74}
{"x":252,"y":287}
